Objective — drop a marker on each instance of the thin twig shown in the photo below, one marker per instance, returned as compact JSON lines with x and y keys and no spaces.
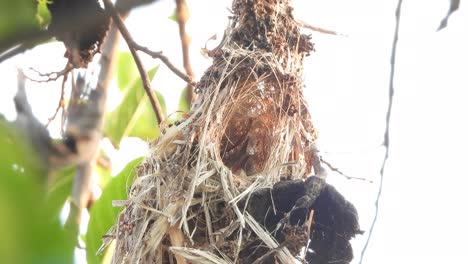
{"x":165,"y":60}
{"x":61,"y":104}
{"x":131,"y":45}
{"x":182,"y":17}
{"x":386,"y":142}
{"x":319,"y":29}
{"x":454,"y":5}
{"x":56,"y":75}
{"x":309,"y":229}
{"x":335,"y":169}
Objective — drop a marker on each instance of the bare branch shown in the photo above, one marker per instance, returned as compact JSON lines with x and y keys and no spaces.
{"x":319,"y":29}
{"x":182,"y":17}
{"x":81,"y":193}
{"x":82,"y":185}
{"x":165,"y":60}
{"x":50,"y":76}
{"x":21,"y":42}
{"x":61,"y":104}
{"x":20,"y":48}
{"x":144,"y":76}
{"x":454,"y":5}
{"x":335,"y":169}
{"x":386,"y":141}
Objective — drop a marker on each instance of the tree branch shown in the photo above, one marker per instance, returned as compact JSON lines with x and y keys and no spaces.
{"x":386,"y":141}
{"x":182,"y":17}
{"x":131,"y":45}
{"x":165,"y":60}
{"x":23,"y":41}
{"x":81,"y":193}
{"x":61,"y":104}
{"x":454,"y":5}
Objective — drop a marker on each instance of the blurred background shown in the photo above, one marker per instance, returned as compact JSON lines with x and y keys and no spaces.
{"x":421,"y":216}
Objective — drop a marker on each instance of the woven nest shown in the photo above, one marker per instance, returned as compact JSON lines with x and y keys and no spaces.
{"x":248,"y":130}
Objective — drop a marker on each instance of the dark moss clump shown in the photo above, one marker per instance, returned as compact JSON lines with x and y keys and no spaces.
{"x":81,"y":25}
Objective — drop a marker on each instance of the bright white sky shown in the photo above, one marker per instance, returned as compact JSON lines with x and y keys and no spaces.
{"x":422,"y":217}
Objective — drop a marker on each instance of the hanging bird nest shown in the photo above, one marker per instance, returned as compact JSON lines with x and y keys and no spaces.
{"x":207,"y":192}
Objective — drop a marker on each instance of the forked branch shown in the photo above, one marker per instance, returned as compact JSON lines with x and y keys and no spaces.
{"x":165,"y":60}
{"x":131,"y":45}
{"x":134,"y":47}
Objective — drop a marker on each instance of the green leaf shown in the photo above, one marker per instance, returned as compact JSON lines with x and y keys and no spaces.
{"x":147,"y":127}
{"x":184,"y":103}
{"x":173,"y":16}
{"x":103,"y":169}
{"x":16,"y":17}
{"x":59,"y":191}
{"x":28,"y":235}
{"x":104,"y":175}
{"x":182,"y":109}
{"x":134,"y":116}
{"x":127,"y":72}
{"x":43,"y":14}
{"x":103,"y":215}
{"x":20,"y":155}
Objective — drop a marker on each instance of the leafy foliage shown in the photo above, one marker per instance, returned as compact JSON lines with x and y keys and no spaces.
{"x":32,"y":232}
{"x":104,"y":175}
{"x":184,"y":104}
{"x":134,"y":116}
{"x":25,"y":224}
{"x":127,"y":73}
{"x":15,"y":17}
{"x":103,"y":215}
{"x":43,"y":16}
{"x":59,"y":191}
{"x":182,"y":108}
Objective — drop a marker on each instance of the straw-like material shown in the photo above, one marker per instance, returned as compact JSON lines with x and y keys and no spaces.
{"x":248,"y":129}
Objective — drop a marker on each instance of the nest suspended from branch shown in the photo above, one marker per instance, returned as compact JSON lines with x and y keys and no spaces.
{"x":248,"y":130}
